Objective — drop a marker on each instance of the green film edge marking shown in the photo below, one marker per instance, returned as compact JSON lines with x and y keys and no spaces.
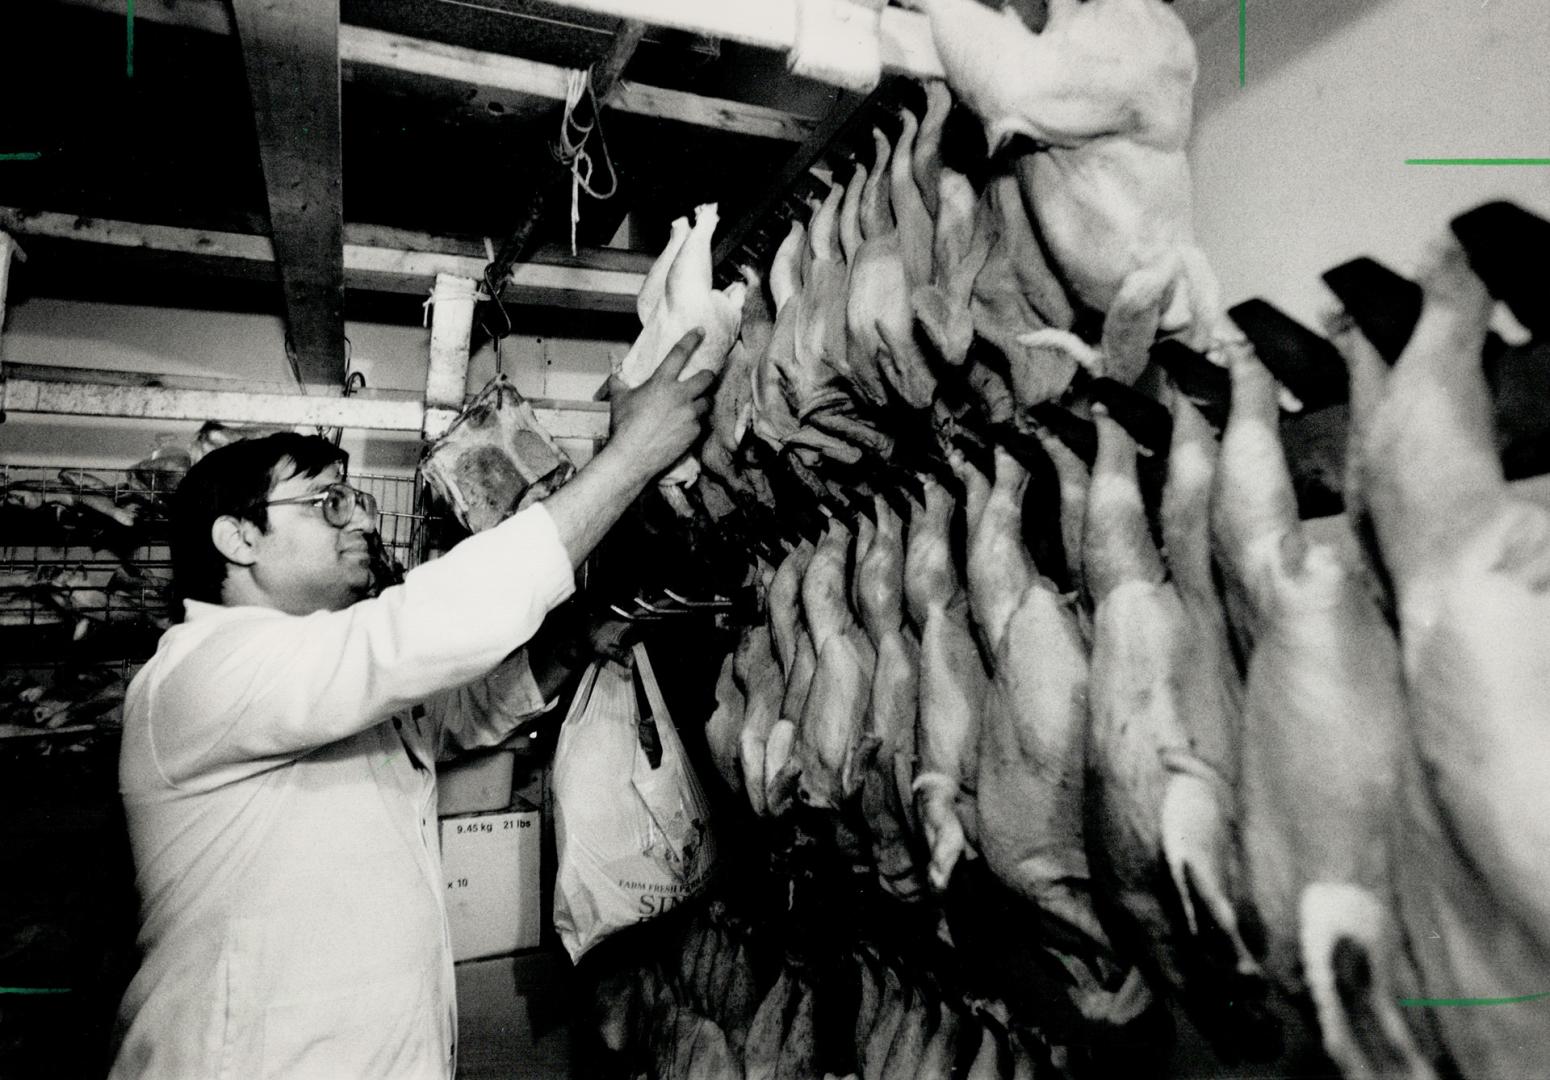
{"x":129,"y":40}
{"x":1469,"y":1002}
{"x":1478,"y":161}
{"x":34,"y":989}
{"x":1243,"y":34}
{"x":29,"y":155}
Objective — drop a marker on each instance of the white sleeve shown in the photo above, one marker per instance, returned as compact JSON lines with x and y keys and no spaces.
{"x":264,"y":690}
{"x":487,"y":710}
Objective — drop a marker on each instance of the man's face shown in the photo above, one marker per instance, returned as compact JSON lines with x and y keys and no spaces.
{"x":302,"y":562}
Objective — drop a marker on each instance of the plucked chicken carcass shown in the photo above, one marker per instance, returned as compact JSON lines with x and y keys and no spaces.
{"x":758,"y":676}
{"x":1072,"y":475}
{"x":771,"y":416}
{"x":880,"y":323}
{"x":1016,"y":293}
{"x":911,"y":217}
{"x":781,"y":1042}
{"x":1032,"y":742}
{"x":1106,"y":91}
{"x":1212,"y":682}
{"x":793,"y":649}
{"x":953,"y":683}
{"x":926,"y":161}
{"x":732,"y":408}
{"x":723,"y":731}
{"x":1470,"y":562}
{"x":910,"y":1037}
{"x":1161,"y":805}
{"x":1324,"y":720}
{"x":687,"y":301}
{"x":866,"y":374}
{"x":834,"y":713}
{"x":960,"y":248}
{"x":813,"y":372}
{"x":887,"y":751}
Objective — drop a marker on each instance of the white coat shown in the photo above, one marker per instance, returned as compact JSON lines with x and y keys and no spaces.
{"x":278,"y":780}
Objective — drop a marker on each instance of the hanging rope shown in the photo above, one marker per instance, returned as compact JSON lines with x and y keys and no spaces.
{"x":573,"y":150}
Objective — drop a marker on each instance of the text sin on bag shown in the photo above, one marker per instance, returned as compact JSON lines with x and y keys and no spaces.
{"x":631,"y":820}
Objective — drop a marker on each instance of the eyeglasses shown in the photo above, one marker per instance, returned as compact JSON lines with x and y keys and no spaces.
{"x":338,"y":502}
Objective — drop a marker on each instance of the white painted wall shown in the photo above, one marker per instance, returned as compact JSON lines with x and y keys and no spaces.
{"x":1304,"y":166}
{"x":250,"y":348}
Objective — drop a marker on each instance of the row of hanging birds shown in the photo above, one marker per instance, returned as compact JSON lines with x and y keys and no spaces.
{"x":1273,"y":770}
{"x":714,"y":1005}
{"x":1280,"y":775}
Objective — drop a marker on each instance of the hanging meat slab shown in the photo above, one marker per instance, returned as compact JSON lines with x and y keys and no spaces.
{"x":495,"y":459}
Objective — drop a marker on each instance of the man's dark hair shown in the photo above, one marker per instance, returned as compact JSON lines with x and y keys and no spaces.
{"x":234,"y":480}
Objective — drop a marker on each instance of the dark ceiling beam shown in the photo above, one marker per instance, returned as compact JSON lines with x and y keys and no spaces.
{"x":550,"y":190}
{"x":291,"y":51}
{"x":376,"y":259}
{"x":836,"y":127}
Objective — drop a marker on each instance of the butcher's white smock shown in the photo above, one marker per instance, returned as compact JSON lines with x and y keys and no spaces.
{"x":279,"y":784}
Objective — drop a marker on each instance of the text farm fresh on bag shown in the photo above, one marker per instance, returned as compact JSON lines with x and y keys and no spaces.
{"x":632,"y":826}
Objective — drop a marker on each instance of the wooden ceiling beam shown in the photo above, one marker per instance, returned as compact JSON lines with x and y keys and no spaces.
{"x":291,"y":51}
{"x":494,"y":75}
{"x":550,"y":187}
{"x":905,"y":36}
{"x":375,"y":259}
{"x":134,"y":395}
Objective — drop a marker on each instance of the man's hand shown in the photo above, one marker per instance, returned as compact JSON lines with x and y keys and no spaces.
{"x":657,"y":422}
{"x":653,"y":425}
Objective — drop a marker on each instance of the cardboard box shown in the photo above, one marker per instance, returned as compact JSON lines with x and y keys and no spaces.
{"x":490,"y":863}
{"x":474,"y":784}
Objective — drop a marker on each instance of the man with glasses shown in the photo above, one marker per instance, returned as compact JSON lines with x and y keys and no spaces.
{"x":278,"y":752}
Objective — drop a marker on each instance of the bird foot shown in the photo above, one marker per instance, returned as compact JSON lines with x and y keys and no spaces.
{"x":1067,"y":344}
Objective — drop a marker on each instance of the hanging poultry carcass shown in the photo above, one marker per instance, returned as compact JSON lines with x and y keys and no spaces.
{"x":834,"y":712}
{"x":926,"y":160}
{"x":953,"y":683}
{"x":771,"y":416}
{"x":887,"y":750}
{"x":1161,"y":769}
{"x":813,"y":369}
{"x":911,"y":217}
{"x":1016,"y":293}
{"x":1032,"y":744}
{"x":825,"y":385}
{"x":878,"y":317}
{"x":960,"y":247}
{"x":731,"y":411}
{"x":723,"y":731}
{"x":687,"y":301}
{"x":1324,"y":723}
{"x":767,"y":750}
{"x":1074,"y":481}
{"x":1468,"y":556}
{"x":1106,"y":90}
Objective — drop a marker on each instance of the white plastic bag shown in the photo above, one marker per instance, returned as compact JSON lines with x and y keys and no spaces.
{"x":634,"y":841}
